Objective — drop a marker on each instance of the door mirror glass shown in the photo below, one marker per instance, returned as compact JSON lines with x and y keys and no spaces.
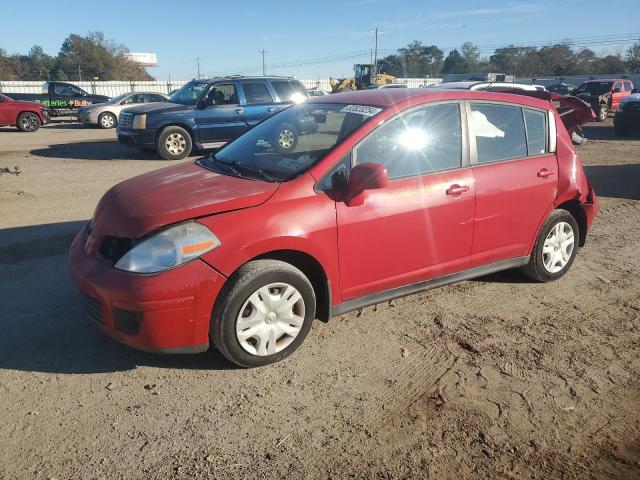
{"x":365,"y":176}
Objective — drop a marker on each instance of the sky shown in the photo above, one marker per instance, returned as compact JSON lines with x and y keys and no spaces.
{"x":328,"y":36}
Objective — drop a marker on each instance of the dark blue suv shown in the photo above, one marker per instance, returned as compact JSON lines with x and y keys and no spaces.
{"x":209,"y":113}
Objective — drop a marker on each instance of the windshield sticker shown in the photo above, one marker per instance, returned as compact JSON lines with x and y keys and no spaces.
{"x":362,"y":110}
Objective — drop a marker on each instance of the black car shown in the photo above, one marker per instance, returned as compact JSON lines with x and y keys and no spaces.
{"x":61,"y":98}
{"x":627,"y":117}
{"x":208,"y":113}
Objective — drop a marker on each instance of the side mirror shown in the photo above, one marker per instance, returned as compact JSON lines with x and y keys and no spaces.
{"x":365,"y":176}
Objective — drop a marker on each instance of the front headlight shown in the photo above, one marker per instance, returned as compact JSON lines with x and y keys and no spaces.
{"x":139,"y":121}
{"x":169,"y":248}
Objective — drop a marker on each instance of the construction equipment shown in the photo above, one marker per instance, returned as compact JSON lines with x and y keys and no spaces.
{"x":365,"y":76}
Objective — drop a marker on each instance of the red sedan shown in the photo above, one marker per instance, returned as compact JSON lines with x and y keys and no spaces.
{"x":27,"y":116}
{"x":391,"y":192}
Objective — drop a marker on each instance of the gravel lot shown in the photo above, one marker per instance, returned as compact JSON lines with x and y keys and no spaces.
{"x":495,"y":378}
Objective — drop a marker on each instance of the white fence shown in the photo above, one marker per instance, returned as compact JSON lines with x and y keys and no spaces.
{"x":112,"y":89}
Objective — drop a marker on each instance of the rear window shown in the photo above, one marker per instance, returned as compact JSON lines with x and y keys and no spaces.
{"x":536,"y":123}
{"x":627,"y":86}
{"x":499,"y":132}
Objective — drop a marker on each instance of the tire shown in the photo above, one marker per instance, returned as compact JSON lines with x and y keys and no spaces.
{"x":603,"y":113}
{"x":547,"y":262}
{"x":285,"y":138}
{"x":107,"y":120}
{"x":245,"y":289}
{"x":174,"y":143}
{"x":28,"y":122}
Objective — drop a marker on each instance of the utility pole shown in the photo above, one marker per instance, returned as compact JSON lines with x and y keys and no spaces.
{"x":264,"y":65}
{"x":79,"y":69}
{"x":376,"y":32}
{"x":198,"y":64}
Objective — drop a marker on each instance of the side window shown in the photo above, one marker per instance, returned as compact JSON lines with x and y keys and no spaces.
{"x":67,"y":90}
{"x":256,"y":93}
{"x":223,"y":94}
{"x":422,"y":141}
{"x":627,"y":86}
{"x":152,"y":97}
{"x":136,"y":98}
{"x":283,"y":89}
{"x":617,"y":85}
{"x":499,"y":132}
{"x":536,"y":122}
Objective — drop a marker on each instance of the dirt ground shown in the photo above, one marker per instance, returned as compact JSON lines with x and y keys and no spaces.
{"x":494,"y":378}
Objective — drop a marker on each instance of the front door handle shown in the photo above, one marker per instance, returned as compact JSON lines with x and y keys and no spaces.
{"x":239,"y":111}
{"x":271,"y":110}
{"x":544,"y":173}
{"x":456,"y":189}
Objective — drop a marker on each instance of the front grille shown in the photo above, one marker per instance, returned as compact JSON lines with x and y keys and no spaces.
{"x":125,"y":119}
{"x":114,"y":248}
{"x":92,"y":307}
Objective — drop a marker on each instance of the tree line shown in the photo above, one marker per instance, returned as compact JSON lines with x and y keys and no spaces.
{"x":418,"y":60}
{"x":91,"y":57}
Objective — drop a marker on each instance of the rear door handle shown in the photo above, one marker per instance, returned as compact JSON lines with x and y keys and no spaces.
{"x":239,"y":111}
{"x":271,"y":109}
{"x":456,"y":189}
{"x":544,"y":173}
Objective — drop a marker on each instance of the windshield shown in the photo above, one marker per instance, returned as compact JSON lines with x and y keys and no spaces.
{"x":119,"y":98}
{"x":189,"y":93}
{"x":595,"y":88}
{"x":289,"y":143}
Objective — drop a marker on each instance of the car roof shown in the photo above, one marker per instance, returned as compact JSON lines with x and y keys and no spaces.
{"x":387,"y":97}
{"x":242,"y":77}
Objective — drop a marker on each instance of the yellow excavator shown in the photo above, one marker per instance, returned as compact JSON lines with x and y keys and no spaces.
{"x":365,"y":76}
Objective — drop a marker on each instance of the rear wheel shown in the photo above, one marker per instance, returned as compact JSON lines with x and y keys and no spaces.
{"x":28,"y":122}
{"x":264,"y":313}
{"x":107,"y":120}
{"x":174,"y":143}
{"x":555,"y":248}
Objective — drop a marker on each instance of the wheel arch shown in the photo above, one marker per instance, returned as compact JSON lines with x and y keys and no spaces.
{"x":576,"y":211}
{"x":27,"y":110}
{"x":187,"y":127}
{"x":312,"y":269}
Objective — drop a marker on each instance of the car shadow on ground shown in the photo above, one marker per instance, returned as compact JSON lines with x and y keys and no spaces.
{"x":95,"y":150}
{"x":615,"y":181}
{"x":103,"y":150}
{"x":605,"y":131}
{"x":42,"y":325}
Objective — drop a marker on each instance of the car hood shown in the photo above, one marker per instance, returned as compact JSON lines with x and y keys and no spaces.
{"x":34,"y":105}
{"x":142,"y":204}
{"x":165,"y":106}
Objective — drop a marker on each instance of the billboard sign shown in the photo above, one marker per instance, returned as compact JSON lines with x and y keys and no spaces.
{"x":144,"y":59}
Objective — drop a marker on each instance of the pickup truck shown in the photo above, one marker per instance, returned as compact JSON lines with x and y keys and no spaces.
{"x":604,"y":95}
{"x":209,"y":113}
{"x":61,"y":98}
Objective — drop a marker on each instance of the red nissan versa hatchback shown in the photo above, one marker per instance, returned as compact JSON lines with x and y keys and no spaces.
{"x":389,"y":192}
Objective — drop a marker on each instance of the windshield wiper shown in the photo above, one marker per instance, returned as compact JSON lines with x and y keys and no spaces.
{"x":256,"y":171}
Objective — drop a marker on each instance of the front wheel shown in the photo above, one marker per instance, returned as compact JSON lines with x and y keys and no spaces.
{"x":174,"y":143}
{"x":264,"y":313}
{"x":603,"y":113}
{"x":28,"y":122}
{"x":555,"y":248}
{"x":285,"y":138}
{"x":107,"y":120}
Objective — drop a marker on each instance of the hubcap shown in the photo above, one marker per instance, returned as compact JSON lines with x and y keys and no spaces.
{"x":29,"y":122}
{"x":107,"y":121}
{"x":176,"y":143}
{"x":270,"y":319}
{"x":286,"y":138}
{"x":558,"y":247}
